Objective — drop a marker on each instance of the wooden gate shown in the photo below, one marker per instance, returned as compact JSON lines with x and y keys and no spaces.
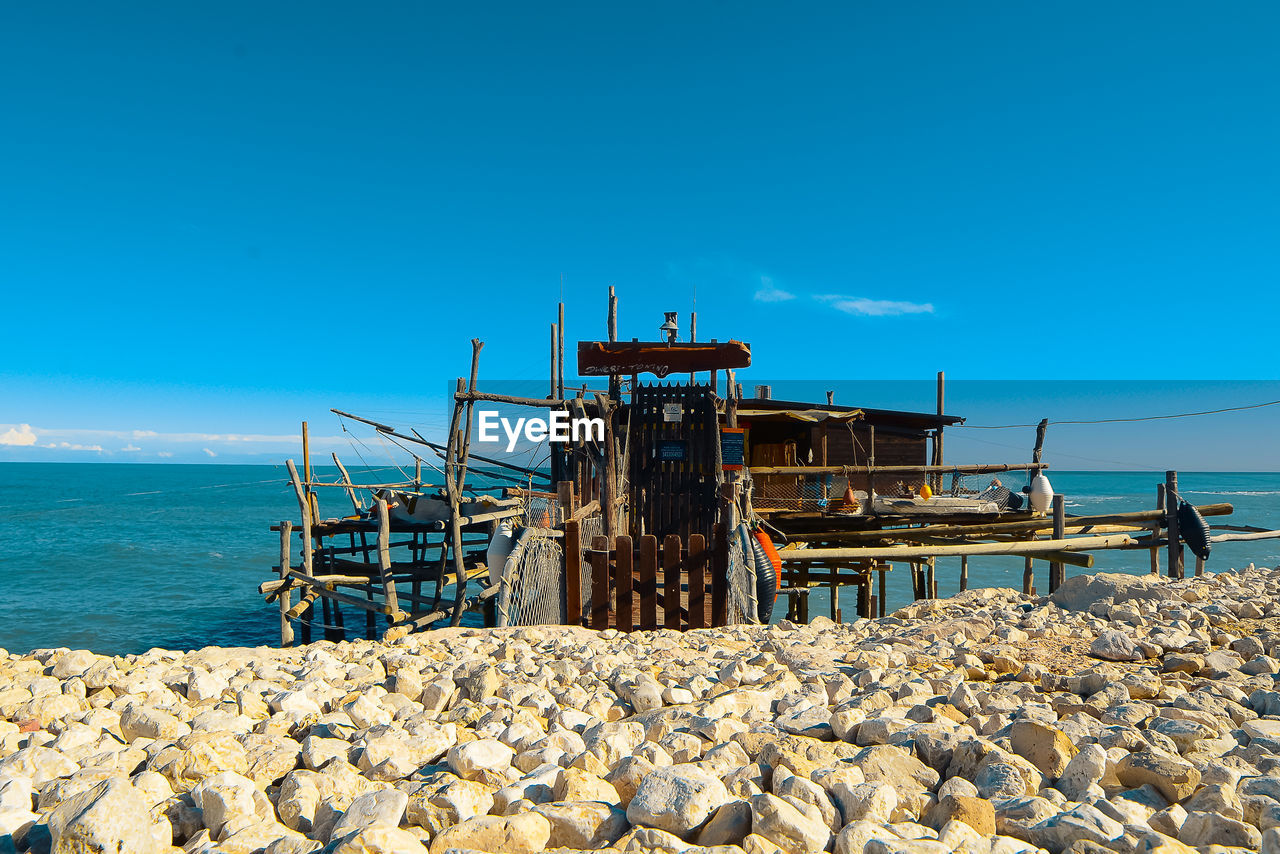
{"x":674,"y":449}
{"x":648,"y":583}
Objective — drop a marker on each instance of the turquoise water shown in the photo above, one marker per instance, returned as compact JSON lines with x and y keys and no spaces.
{"x":120,"y":558}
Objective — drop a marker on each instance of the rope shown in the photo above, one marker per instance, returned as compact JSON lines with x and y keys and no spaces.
{"x":1126,"y":420}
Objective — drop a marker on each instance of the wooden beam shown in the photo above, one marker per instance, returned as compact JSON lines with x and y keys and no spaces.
{"x":874,"y":469}
{"x":1038,"y":547}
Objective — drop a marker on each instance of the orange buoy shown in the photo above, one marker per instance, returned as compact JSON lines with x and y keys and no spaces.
{"x":925,"y":492}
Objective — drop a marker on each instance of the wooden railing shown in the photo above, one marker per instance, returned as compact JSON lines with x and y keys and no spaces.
{"x":637,"y":585}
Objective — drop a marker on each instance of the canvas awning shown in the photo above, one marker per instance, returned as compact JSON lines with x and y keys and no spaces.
{"x":812,"y":416}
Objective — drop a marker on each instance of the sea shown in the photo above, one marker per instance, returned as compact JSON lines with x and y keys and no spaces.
{"x":120,"y":558}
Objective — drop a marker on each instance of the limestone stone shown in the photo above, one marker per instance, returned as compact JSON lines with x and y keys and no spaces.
{"x":678,"y":799}
{"x":1173,"y":777}
{"x":526,"y":833}
{"x":583,"y":824}
{"x":1046,"y":747}
{"x":786,"y":826}
{"x":113,"y":817}
{"x":978,"y":813}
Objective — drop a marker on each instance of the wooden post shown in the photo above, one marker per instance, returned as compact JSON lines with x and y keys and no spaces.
{"x":719,"y":574}
{"x":863,"y":588}
{"x":555,"y":344}
{"x":671,"y":581}
{"x":835,"y":597}
{"x":560,"y":353}
{"x":1041,"y":429}
{"x":600,"y":583}
{"x":384,"y":560}
{"x":882,"y":570}
{"x":1176,"y":568}
{"x":1057,"y":569}
{"x":1028,"y":576}
{"x":697,"y":581}
{"x":573,"y":572}
{"x":625,"y":621}
{"x":346,"y":479}
{"x":609,"y":500}
{"x":304,"y":505}
{"x":313,"y":506}
{"x":648,"y":582}
{"x":964,"y":573}
{"x":931,"y":580}
{"x":565,"y":496}
{"x":1155,"y":531}
{"x":871,"y":468}
{"x":1199,"y":566}
{"x":286,"y":597}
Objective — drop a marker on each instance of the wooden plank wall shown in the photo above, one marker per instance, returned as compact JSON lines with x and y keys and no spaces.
{"x":673,"y":496}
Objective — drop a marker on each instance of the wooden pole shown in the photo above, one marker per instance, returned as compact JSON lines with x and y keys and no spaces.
{"x":304,"y":505}
{"x":555,"y":344}
{"x":286,"y":598}
{"x":1041,"y":429}
{"x":964,"y":573}
{"x":348,"y":486}
{"x":384,"y":560}
{"x":306,"y":456}
{"x":615,"y":385}
{"x":1155,"y":530}
{"x":937,"y":433}
{"x":871,"y":468}
{"x":560,"y":353}
{"x":1057,"y":569}
{"x":1176,"y":568}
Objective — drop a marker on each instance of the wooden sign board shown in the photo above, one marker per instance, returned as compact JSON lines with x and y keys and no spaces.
{"x":604,"y":358}
{"x":732,"y":448}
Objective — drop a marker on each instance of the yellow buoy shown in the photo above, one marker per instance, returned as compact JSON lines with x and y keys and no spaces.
{"x":925,"y":492}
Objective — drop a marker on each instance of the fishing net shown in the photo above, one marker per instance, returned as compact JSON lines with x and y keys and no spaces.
{"x":542,"y":511}
{"x":530,"y":593}
{"x":591,"y":527}
{"x":742,"y":585}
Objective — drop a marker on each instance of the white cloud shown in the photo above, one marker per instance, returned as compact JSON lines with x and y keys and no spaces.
{"x":73,"y":446}
{"x":144,"y":434}
{"x":874,"y":307}
{"x":20,"y":435}
{"x":209,"y":452}
{"x":131,"y":447}
{"x":165,"y":454}
{"x":769,"y":293}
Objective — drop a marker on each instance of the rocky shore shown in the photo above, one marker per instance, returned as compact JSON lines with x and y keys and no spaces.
{"x":1124,"y":715}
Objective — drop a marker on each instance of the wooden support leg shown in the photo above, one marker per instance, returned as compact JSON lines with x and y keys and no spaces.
{"x":864,"y":596}
{"x":964,"y":573}
{"x":286,"y":597}
{"x":884,"y":593}
{"x":932,"y":580}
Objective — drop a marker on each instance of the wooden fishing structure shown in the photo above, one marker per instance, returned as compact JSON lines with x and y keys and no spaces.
{"x":658,"y":517}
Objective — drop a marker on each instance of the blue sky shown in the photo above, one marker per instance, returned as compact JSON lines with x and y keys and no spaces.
{"x":221,"y":220}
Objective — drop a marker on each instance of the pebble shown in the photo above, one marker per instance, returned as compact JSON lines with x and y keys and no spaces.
{"x":1123,"y":713}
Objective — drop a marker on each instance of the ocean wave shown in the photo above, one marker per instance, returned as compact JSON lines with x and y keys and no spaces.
{"x":1230,"y":491}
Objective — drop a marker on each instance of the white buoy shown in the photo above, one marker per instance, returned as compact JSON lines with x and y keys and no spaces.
{"x":499,"y":548}
{"x":1041,"y":494}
